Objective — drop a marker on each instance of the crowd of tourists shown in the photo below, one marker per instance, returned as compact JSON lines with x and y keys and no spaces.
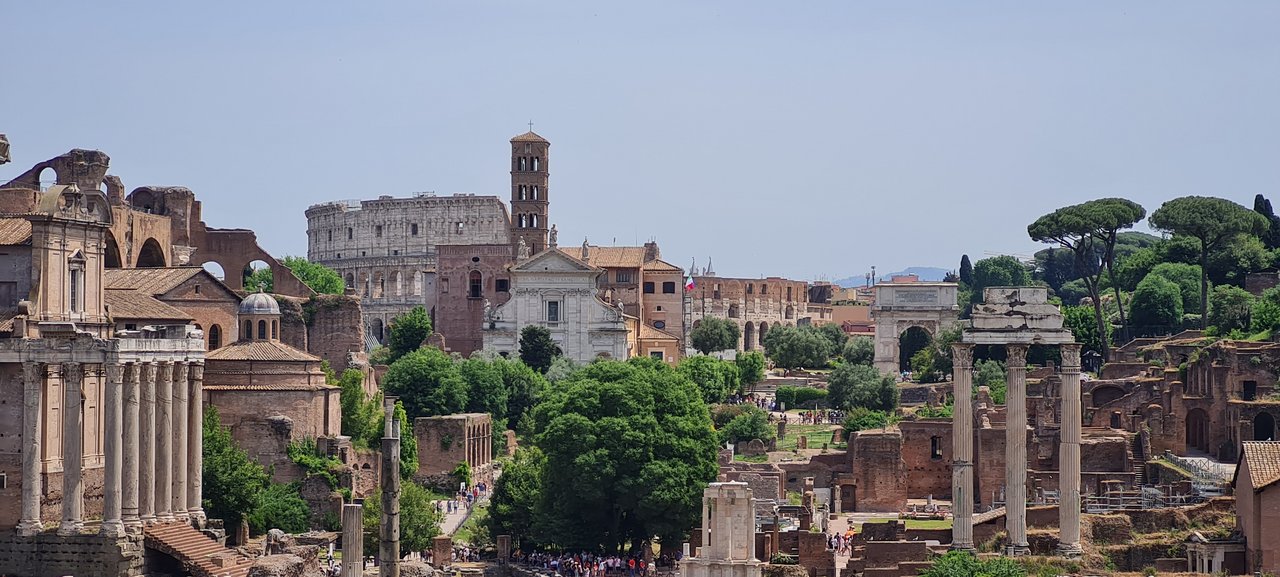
{"x":592,"y":565}
{"x":816,"y":417}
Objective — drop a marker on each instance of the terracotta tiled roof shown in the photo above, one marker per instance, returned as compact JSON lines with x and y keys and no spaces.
{"x":649,"y":333}
{"x":152,"y":281}
{"x":130,"y":304}
{"x":15,"y":231}
{"x":530,"y":136}
{"x":6,"y":320}
{"x":1263,"y":458}
{"x":259,"y":351}
{"x":614,"y":256}
{"x":660,"y":265}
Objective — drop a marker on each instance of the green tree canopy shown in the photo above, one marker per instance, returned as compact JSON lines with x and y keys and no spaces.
{"x":860,"y":350}
{"x":751,"y":423}
{"x":408,"y":332}
{"x":1157,"y":302}
{"x":360,"y":414}
{"x":716,"y":379}
{"x":1080,"y":321}
{"x":537,"y":348}
{"x":998,"y":271}
{"x":795,"y":347}
{"x":1265,"y":314}
{"x":316,"y":276}
{"x":1229,"y":308}
{"x":715,"y":334}
{"x":835,"y":336}
{"x":280,"y":507}
{"x":1186,"y":276}
{"x":419,"y":521}
{"x":861,"y":386}
{"x":428,"y":382}
{"x":629,"y":448}
{"x":516,"y":495}
{"x":862,"y":419}
{"x":750,"y":367}
{"x":991,"y":374}
{"x":1262,"y":206}
{"x":1211,"y":221}
{"x":966,"y":270}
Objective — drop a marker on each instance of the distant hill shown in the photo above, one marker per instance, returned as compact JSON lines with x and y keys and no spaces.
{"x":926,"y":273}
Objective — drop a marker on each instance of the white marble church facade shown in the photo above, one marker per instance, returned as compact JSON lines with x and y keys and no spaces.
{"x":558,"y":291}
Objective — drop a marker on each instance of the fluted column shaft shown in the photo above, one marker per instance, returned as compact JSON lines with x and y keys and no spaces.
{"x":1015,"y":473}
{"x":112,"y":439}
{"x":180,"y":419}
{"x":962,"y":447}
{"x":132,"y":389}
{"x":164,"y":443}
{"x":389,"y":546}
{"x":72,"y":450}
{"x":353,"y":540}
{"x":1069,"y":455}
{"x":32,"y":414}
{"x":147,"y":446}
{"x":195,"y":443}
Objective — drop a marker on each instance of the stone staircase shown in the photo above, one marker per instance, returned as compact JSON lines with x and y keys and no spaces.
{"x":201,"y":555}
{"x":1138,"y":461}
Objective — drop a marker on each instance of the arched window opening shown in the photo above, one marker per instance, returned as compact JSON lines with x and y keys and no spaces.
{"x":533,"y":221}
{"x":151,"y":255}
{"x":523,"y":191}
{"x":1264,"y":427}
{"x":215,"y":337}
{"x":258,"y":275}
{"x":790,"y":312}
{"x":733,"y":311}
{"x":351,"y":281}
{"x":751,"y":289}
{"x":48,"y":177}
{"x":475,"y":283}
{"x":535,"y":192}
{"x":215,"y":269}
{"x":112,"y":257}
{"x":247,"y":333}
{"x":521,"y":163}
{"x":535,"y":163}
{"x":748,"y":337}
{"x":262,"y":330}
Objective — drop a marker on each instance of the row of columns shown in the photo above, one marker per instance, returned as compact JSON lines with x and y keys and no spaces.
{"x":152,"y":439}
{"x":479,"y":444}
{"x":1016,"y":450}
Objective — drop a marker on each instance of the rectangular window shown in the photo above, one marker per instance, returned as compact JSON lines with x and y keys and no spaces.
{"x":377,"y":231}
{"x":413,"y":229}
{"x":331,"y":236}
{"x":553,"y":311}
{"x":648,"y":288}
{"x":75,"y":290}
{"x":622,"y":276}
{"x":350,"y":233}
{"x":502,"y":285}
{"x":669,"y":288}
{"x":657,"y":355}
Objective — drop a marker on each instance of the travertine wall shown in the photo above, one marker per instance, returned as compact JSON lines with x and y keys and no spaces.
{"x":50,"y":555}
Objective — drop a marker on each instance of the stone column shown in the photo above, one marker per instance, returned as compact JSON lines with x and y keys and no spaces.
{"x":180,"y":392}
{"x":72,"y":449}
{"x":147,"y":446}
{"x":389,"y":547}
{"x":164,"y":443}
{"x":1015,"y":440}
{"x":112,"y":441}
{"x":195,"y":443}
{"x":32,"y":414}
{"x":1069,"y":455}
{"x":962,"y":447}
{"x":132,"y":386}
{"x":353,"y":540}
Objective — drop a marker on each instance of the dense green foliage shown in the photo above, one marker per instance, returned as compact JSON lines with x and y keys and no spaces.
{"x":1229,"y":308}
{"x":419,"y":521}
{"x":407,"y":333}
{"x":800,"y":397}
{"x":751,"y":423}
{"x":1156,"y":303}
{"x":798,"y":347}
{"x":1083,"y":325}
{"x":750,"y":368}
{"x":537,"y":349}
{"x":714,"y":334}
{"x":991,"y":374}
{"x":966,"y":270}
{"x":861,"y":419}
{"x":997,"y":271}
{"x":853,"y":386}
{"x":859,"y":350}
{"x":360,"y":415}
{"x":428,"y":382}
{"x":963,"y":564}
{"x":516,"y":494}
{"x":1186,"y":276}
{"x":233,"y":483}
{"x":317,"y":277}
{"x":280,"y":507}
{"x":835,"y":336}
{"x":717,"y":379}
{"x":1211,"y":221}
{"x":628,"y":449}
{"x":933,"y":362}
{"x":1265,"y":314}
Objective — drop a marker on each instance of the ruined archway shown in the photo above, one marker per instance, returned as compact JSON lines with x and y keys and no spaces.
{"x":215,"y":269}
{"x":111,"y":256}
{"x":764,"y":328}
{"x":912,"y":340}
{"x":151,"y":255}
{"x":898,"y":307}
{"x":748,"y":336}
{"x":1197,"y":434}
{"x":375,"y":329}
{"x":257,"y":275}
{"x":1264,"y":427}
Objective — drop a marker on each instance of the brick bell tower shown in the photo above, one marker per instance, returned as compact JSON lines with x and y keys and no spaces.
{"x":529,"y":177}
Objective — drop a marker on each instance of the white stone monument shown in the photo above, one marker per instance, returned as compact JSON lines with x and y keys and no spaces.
{"x":728,"y":534}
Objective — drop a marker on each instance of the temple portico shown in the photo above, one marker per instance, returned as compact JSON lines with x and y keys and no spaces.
{"x":1016,"y":318}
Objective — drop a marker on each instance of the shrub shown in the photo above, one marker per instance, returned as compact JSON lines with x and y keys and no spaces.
{"x":797,"y":397}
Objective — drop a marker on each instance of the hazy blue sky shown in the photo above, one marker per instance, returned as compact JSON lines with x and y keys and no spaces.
{"x":802,"y":139}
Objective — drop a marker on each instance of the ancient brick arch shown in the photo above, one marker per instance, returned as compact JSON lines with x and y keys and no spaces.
{"x":1103,"y":394}
{"x":1264,"y":426}
{"x":150,"y":255}
{"x":111,"y":258}
{"x":234,"y":249}
{"x":929,"y":306}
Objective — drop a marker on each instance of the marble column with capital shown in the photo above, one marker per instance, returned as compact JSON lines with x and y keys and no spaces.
{"x":195,"y":442}
{"x":962,"y":447}
{"x":181,"y":391}
{"x":1015,"y":440}
{"x":72,"y":450}
{"x":112,"y":439}
{"x":147,"y":446}
{"x":32,"y":413}
{"x":1069,"y":455}
{"x":129,"y":489}
{"x":164,"y":443}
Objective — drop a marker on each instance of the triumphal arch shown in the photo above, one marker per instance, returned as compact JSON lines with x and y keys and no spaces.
{"x":901,"y":306}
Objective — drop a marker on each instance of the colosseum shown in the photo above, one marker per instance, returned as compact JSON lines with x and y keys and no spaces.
{"x":387,"y":249}
{"x":754,"y":304}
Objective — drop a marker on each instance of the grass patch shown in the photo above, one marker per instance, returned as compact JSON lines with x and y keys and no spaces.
{"x":753,"y":459}
{"x":474,"y":526}
{"x":928,"y":523}
{"x":817,"y":434}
